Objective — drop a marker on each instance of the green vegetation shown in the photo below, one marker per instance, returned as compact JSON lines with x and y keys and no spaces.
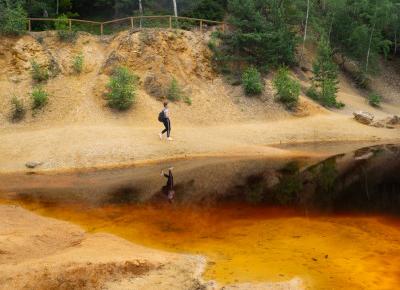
{"x":288,"y":90}
{"x":325,"y":82}
{"x":122,"y":89}
{"x":78,"y":63}
{"x":251,"y":80}
{"x":39,"y":98}
{"x":187,"y":100}
{"x":18,"y":111}
{"x":374,"y":99}
{"x":175,"y":92}
{"x":12,"y":18}
{"x":62,"y":27}
{"x":39,"y":74}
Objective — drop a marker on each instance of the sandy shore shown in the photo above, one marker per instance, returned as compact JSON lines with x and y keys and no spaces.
{"x":80,"y":147}
{"x":44,"y":253}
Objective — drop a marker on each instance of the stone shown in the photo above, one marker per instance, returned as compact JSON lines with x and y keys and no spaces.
{"x":364,"y":117}
{"x":33,"y":164}
{"x":395,"y":120}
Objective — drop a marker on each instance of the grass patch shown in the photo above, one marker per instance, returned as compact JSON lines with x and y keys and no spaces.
{"x":78,"y":63}
{"x":39,"y":74}
{"x":374,"y":100}
{"x":251,"y":81}
{"x":40,"y":98}
{"x":18,"y":109}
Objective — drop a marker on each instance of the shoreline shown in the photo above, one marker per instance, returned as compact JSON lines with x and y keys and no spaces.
{"x":271,"y":151}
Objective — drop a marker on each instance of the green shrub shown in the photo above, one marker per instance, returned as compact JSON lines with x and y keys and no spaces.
{"x":288,"y":89}
{"x":18,"y":110}
{"x":39,"y":97}
{"x":251,"y":80}
{"x":62,"y":27}
{"x":374,"y":100}
{"x":78,"y":63}
{"x":122,"y":86}
{"x":174,"y":92}
{"x":39,"y":74}
{"x":187,"y":100}
{"x":13,"y":19}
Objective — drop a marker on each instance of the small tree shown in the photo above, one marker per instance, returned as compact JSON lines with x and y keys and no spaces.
{"x":62,"y":27}
{"x":174,"y":92}
{"x":288,"y":89}
{"x":122,"y":86}
{"x":39,"y":74}
{"x":18,"y":110}
{"x":78,"y":63}
{"x":39,"y":98}
{"x":325,"y":82}
{"x":374,"y":100}
{"x":251,"y":80}
{"x":13,"y":19}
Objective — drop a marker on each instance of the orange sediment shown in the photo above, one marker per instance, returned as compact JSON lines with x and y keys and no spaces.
{"x":246,"y":243}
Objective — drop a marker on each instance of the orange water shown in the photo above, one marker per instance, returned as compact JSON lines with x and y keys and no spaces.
{"x":245,"y":243}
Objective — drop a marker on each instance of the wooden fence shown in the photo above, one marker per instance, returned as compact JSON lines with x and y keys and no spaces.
{"x":166,"y":21}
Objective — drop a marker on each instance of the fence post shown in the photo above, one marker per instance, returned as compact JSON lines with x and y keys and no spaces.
{"x":170,"y":22}
{"x":132,"y":23}
{"x":223,"y":27}
{"x":101,"y":29}
{"x":29,"y":25}
{"x":70,"y":24}
{"x":201,"y":25}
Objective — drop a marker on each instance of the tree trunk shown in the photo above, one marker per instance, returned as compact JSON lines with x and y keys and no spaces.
{"x":141,"y":12}
{"x":369,"y":48}
{"x":395,"y":42}
{"x":305,"y":31}
{"x":57,"y":6}
{"x":175,"y":8}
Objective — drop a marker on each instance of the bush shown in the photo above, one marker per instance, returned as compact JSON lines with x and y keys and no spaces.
{"x":12,"y":19}
{"x":122,"y":86}
{"x":288,"y":90}
{"x":39,"y":74}
{"x":174,"y":92}
{"x":78,"y":63}
{"x":39,"y":97}
{"x":251,"y":80}
{"x":18,"y":110}
{"x":374,"y":100}
{"x":62,"y":27}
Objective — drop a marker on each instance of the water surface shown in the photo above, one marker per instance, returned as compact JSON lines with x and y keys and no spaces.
{"x":333,"y":223}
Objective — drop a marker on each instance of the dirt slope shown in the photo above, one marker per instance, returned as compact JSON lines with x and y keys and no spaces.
{"x":76,"y":129}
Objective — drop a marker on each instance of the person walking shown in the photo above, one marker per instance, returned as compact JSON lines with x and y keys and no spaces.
{"x":164,"y":117}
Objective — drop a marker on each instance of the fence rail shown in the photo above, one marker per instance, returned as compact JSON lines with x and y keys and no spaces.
{"x":143,"y":21}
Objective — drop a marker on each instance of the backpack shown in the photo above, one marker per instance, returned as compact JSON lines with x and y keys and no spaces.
{"x":161,"y":116}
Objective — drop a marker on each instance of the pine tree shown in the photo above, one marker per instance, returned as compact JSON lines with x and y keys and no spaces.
{"x":325,"y":80}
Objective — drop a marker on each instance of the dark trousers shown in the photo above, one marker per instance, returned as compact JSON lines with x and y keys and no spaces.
{"x":167,"y":125}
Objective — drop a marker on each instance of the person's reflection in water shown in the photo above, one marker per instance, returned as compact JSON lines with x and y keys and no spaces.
{"x":168,"y":189}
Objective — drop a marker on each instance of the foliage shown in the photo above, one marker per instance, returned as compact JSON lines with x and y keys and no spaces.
{"x":374,"y":99}
{"x":324,"y":87}
{"x":261,"y":35}
{"x":18,"y":110}
{"x":78,"y":63}
{"x":12,"y":18}
{"x":209,"y":9}
{"x":39,"y":74}
{"x":187,"y":100}
{"x":288,"y":89}
{"x":122,"y":86}
{"x":62,"y":27}
{"x":251,"y":80}
{"x":39,"y":97}
{"x":175,"y":92}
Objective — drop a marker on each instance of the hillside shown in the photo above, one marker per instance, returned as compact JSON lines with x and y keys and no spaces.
{"x":77,"y":129}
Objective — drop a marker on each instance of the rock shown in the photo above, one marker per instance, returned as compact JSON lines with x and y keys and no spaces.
{"x":395,"y":120}
{"x":33,"y":164}
{"x":364,"y":117}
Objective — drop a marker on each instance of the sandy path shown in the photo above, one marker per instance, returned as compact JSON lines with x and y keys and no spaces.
{"x":112,"y":144}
